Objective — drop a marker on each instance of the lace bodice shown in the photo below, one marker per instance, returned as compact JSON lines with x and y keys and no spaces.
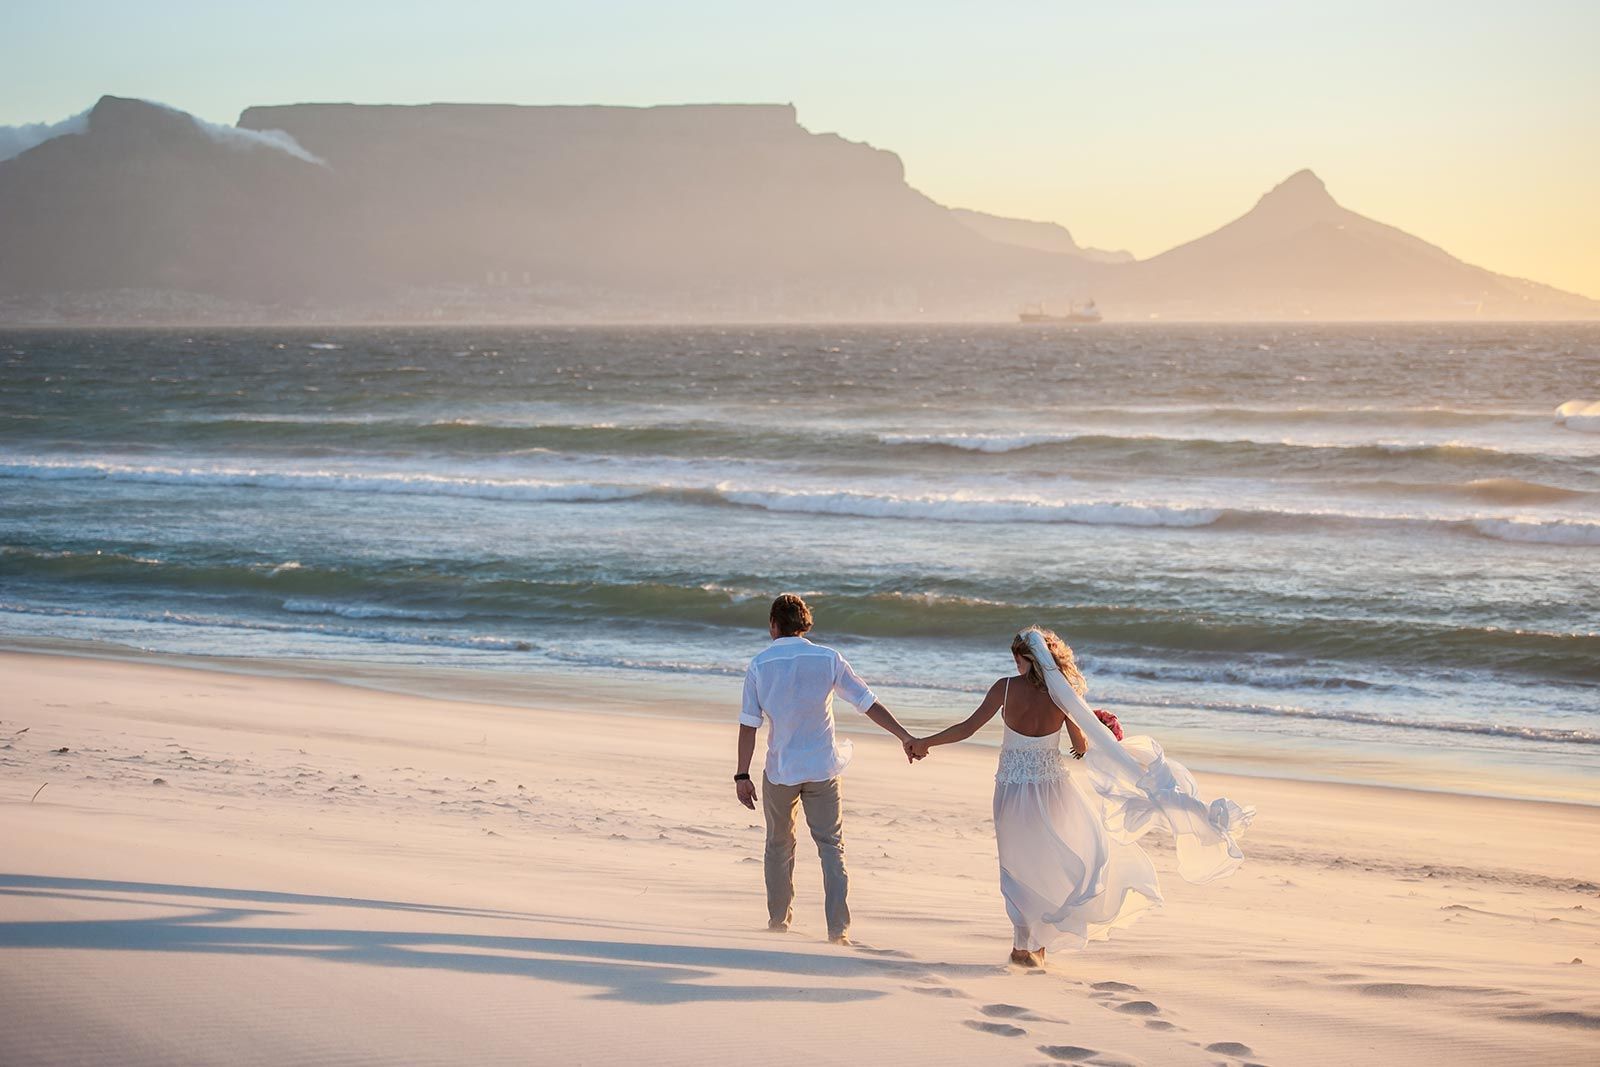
{"x":1025,"y":759}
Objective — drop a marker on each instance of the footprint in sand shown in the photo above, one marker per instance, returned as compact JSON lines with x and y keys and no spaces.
{"x":998,"y":1029}
{"x":1067,"y":1053}
{"x":1578,"y":1020}
{"x":1159,"y":1024}
{"x":1230,"y":1048}
{"x":1137,"y":1007}
{"x":896,"y":953}
{"x":939,"y":991}
{"x":1005,"y":1011}
{"x":1019,"y":1013}
{"x":1115,"y":987}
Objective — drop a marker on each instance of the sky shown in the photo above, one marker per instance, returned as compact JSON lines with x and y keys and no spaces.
{"x":1474,"y":124}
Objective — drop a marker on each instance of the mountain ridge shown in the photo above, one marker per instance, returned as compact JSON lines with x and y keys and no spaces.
{"x":1298,"y":251}
{"x":1034,"y":233}
{"x":687,"y":212}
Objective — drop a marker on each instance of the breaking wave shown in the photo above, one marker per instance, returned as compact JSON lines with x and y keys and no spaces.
{"x":326,"y":481}
{"x":1540,"y":531}
{"x":957,"y":509}
{"x":489,"y":597}
{"x":951,"y":508}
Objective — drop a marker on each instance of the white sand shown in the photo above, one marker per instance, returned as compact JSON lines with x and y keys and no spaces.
{"x":332,"y":874}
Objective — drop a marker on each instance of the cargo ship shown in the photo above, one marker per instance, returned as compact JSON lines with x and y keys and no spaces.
{"x":1075,"y":313}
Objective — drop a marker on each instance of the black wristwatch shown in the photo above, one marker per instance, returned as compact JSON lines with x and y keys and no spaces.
{"x":741,"y":777}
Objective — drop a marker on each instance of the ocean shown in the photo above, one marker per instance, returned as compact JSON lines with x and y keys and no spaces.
{"x":1374,"y":537}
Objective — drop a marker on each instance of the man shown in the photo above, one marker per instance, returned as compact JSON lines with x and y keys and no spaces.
{"x":791,"y":684}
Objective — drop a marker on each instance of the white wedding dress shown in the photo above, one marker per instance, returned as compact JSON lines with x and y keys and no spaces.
{"x":1067,"y":830}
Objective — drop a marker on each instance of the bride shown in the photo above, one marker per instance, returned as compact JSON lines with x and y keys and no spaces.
{"x":1067,"y":831}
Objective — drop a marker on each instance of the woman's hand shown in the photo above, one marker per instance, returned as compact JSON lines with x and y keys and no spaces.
{"x":1080,"y":743}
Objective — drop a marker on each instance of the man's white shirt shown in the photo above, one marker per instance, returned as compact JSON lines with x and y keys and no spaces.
{"x":791,"y":684}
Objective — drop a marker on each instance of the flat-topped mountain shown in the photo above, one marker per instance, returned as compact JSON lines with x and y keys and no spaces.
{"x":342,"y":212}
{"x":677,"y":197}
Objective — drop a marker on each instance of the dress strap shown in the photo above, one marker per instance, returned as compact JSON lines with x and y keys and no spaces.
{"x":1006,"y":696}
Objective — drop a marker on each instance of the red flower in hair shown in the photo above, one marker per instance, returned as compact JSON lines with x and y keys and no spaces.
{"x":1110,"y":722}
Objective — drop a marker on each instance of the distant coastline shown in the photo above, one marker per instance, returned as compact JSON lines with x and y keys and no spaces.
{"x":476,"y":214}
{"x":312,"y":321}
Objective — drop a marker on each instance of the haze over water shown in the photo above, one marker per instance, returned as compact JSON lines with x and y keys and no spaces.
{"x":1287,"y":535}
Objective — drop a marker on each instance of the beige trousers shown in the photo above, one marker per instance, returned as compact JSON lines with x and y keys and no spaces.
{"x":825,"y":820}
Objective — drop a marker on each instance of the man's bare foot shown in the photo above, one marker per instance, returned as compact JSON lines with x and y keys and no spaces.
{"x":842,"y":939}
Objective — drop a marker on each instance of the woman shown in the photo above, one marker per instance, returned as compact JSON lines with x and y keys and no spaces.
{"x":1069,"y":865}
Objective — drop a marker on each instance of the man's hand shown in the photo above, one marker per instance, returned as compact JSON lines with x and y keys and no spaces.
{"x":747,"y":748}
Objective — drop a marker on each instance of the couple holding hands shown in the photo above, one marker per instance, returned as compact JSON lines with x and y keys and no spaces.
{"x":1066,"y":829}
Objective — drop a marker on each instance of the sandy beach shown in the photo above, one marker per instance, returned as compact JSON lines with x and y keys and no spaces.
{"x":204,"y":867}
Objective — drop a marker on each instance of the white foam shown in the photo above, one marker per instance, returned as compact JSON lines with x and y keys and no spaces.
{"x":1546,"y":531}
{"x":1580,"y":415}
{"x":476,"y":642}
{"x":963,"y":509}
{"x":600,"y":480}
{"x":337,"y":481}
{"x":977,"y":442}
{"x":300,"y":606}
{"x":1290,"y":711}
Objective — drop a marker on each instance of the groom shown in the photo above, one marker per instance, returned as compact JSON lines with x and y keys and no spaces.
{"x":791,"y":683}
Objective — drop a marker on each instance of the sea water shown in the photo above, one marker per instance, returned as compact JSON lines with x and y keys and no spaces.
{"x":1371,"y":535}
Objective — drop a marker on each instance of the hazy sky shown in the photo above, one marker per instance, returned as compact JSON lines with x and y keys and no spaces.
{"x":1139,"y":125}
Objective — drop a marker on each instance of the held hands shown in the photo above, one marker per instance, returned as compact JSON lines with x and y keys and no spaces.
{"x":916,"y":749}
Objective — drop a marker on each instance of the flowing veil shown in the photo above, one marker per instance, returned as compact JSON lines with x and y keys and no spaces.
{"x":1142,"y":788}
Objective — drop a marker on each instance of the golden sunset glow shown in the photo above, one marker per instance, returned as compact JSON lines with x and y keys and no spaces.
{"x":1136,"y":126}
{"x":803,"y":535}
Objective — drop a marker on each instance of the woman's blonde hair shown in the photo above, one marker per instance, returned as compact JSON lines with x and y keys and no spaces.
{"x":1059,"y":651}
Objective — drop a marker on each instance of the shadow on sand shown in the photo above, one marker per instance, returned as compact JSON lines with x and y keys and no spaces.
{"x":634,"y":971}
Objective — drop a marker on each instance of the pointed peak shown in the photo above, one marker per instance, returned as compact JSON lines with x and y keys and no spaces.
{"x":1303,"y":178}
{"x":1301,"y":192}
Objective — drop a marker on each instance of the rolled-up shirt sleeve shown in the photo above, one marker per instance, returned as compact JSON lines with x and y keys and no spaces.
{"x":848,"y":684}
{"x":750,"y":710}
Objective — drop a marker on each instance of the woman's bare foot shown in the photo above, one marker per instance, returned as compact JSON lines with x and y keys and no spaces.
{"x":1024,"y":958}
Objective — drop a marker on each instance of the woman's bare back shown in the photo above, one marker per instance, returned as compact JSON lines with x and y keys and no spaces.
{"x":1030,"y":711}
